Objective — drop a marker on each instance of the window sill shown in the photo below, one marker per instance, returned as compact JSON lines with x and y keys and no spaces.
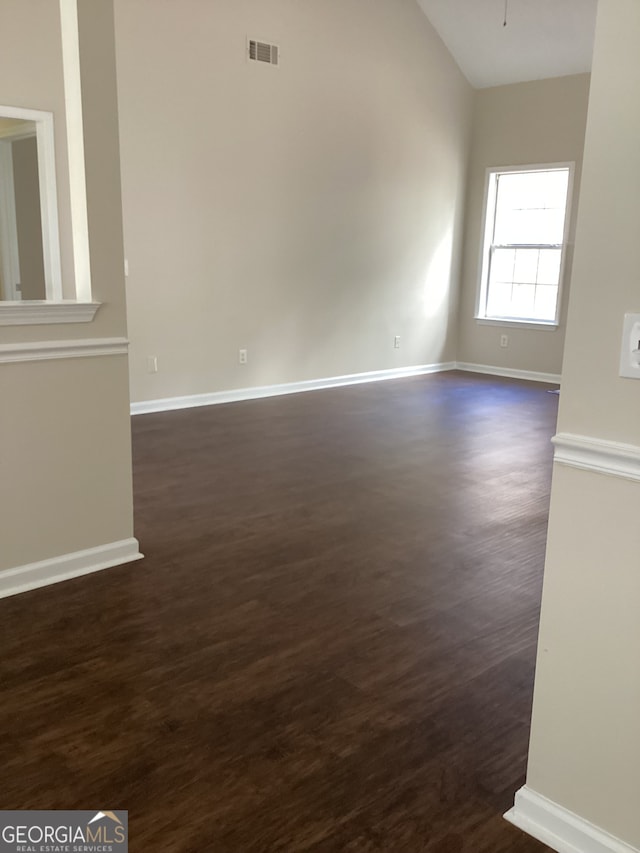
{"x":32,"y":313}
{"x":539,"y":326}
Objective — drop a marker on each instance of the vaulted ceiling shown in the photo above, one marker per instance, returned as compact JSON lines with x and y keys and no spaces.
{"x":543,"y":38}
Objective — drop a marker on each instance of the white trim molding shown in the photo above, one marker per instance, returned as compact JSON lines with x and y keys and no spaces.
{"x":238,"y":394}
{"x":596,"y":454}
{"x":37,"y":312}
{"x":47,"y":350}
{"x":489,"y":214}
{"x":539,"y":325}
{"x":559,"y":828}
{"x":71,"y":73}
{"x":509,"y":373}
{"x":46,"y":572}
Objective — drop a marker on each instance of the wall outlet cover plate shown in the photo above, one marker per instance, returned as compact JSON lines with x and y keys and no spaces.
{"x":630,"y":351}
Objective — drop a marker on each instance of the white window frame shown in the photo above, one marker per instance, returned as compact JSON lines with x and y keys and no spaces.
{"x":488,"y":217}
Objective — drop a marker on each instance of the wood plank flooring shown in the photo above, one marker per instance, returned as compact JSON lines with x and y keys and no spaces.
{"x":330,"y":644}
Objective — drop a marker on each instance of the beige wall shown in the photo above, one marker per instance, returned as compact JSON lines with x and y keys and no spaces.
{"x":65,"y":466}
{"x":521,"y":124}
{"x":31,"y":77}
{"x":585,"y":749}
{"x":38,"y":84}
{"x":28,"y":221}
{"x":64,"y":426}
{"x":309,"y":213}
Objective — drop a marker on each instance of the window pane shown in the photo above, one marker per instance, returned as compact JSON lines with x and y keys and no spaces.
{"x":499,"y":300}
{"x":547,"y":226}
{"x":549,"y":266}
{"x":530,"y":207}
{"x":502,"y":264}
{"x":523,"y":301}
{"x":545,"y":303}
{"x":526,"y":266}
{"x":554,"y":186}
{"x":542,"y":225}
{"x":521,"y":190}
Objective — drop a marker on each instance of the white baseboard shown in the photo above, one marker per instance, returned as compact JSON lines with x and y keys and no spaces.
{"x":234,"y":396}
{"x":559,"y":828}
{"x":492,"y":370}
{"x":46,"y":572}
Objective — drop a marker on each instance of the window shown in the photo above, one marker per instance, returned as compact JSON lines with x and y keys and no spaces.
{"x":523,"y":250}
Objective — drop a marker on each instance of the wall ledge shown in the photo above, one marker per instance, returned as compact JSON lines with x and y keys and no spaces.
{"x":559,"y":828}
{"x":46,"y":350}
{"x":44,"y":312}
{"x":236,"y":395}
{"x":595,"y":454}
{"x":62,"y":568}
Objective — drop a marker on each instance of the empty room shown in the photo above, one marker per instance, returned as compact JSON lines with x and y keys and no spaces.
{"x":320,"y":456}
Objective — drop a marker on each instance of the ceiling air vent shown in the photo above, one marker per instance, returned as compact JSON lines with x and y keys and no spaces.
{"x":261,"y":51}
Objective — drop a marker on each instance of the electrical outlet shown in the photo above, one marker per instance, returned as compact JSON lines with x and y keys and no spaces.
{"x":504,"y":341}
{"x":242,"y":356}
{"x":396,"y":342}
{"x":630,"y":352}
{"x":152,"y":364}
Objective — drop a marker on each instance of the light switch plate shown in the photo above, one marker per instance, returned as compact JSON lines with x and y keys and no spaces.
{"x":630,"y":351}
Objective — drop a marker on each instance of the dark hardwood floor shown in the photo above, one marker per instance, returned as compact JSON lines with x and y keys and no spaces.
{"x":330,"y":644}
